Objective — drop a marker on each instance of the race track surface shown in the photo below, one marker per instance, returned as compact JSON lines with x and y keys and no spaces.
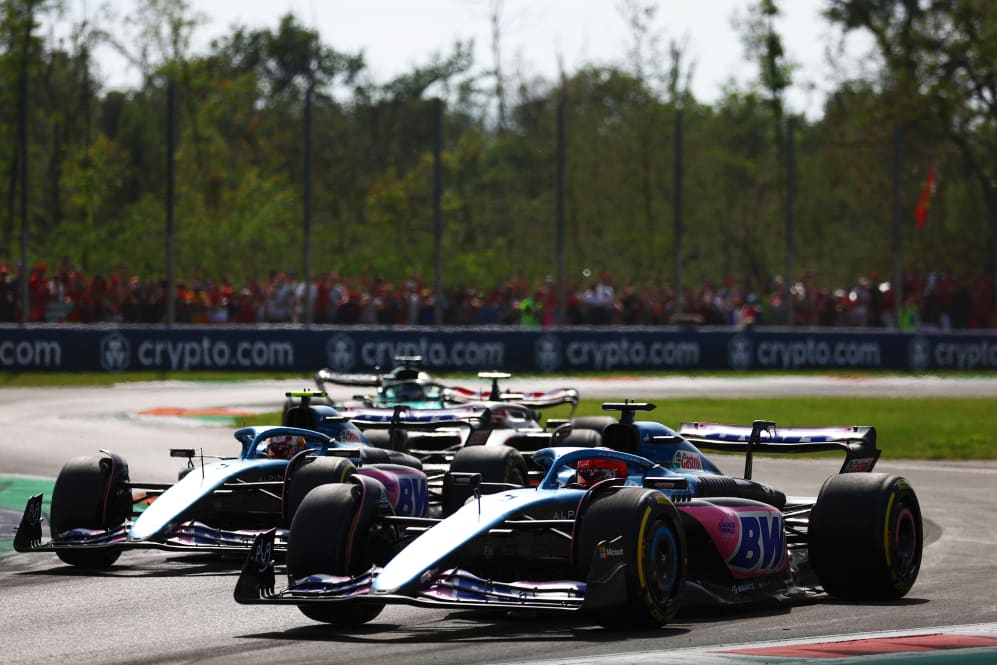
{"x":160,"y":608}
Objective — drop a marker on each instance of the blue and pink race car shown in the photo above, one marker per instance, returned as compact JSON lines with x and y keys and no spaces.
{"x":218,"y":504}
{"x":624,"y":532}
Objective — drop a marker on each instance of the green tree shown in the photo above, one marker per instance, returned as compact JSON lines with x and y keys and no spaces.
{"x":940,"y":60}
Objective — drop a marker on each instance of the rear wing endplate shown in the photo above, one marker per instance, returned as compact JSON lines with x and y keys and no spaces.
{"x":858,"y":442}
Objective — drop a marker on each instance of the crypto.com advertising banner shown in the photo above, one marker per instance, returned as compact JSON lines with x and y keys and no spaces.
{"x":351,"y":349}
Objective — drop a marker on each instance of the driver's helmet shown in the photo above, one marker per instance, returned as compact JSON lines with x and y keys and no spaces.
{"x":285,"y":446}
{"x":592,"y":470}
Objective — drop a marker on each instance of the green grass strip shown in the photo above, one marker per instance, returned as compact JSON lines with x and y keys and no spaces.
{"x":15,"y":491}
{"x":933,"y":428}
{"x":908,"y":428}
{"x":14,"y":494}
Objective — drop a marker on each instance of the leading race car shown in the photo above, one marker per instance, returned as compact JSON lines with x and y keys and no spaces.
{"x":218,"y":506}
{"x":623,"y":534}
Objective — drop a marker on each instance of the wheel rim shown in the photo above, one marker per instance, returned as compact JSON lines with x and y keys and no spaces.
{"x":905,"y":539}
{"x":661,"y":565}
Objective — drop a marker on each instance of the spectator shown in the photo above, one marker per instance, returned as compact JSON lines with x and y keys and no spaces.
{"x":8,"y":296}
{"x":942,"y":300}
{"x":280,"y":301}
{"x":910,"y":318}
{"x":38,"y":294}
{"x":530,"y":309}
{"x":599,"y":300}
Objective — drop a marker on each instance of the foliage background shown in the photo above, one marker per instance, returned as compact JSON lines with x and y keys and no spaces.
{"x":98,"y":157}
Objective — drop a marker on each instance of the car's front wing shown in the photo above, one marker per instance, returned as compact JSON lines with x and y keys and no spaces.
{"x":186,"y":536}
{"x":452,"y":587}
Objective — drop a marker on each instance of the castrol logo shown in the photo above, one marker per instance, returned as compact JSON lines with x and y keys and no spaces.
{"x":687,"y":461}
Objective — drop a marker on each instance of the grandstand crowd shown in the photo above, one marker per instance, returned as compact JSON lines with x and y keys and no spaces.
{"x":67,"y":294}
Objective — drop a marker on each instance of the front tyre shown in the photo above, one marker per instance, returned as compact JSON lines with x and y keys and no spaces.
{"x":307,"y":473}
{"x":336,"y":531}
{"x":91,"y":493}
{"x":645,"y":525}
{"x":866,"y":536}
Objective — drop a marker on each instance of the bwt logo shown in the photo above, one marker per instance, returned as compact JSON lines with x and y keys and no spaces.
{"x":115,"y":352}
{"x":547,"y":353}
{"x":413,"y":496}
{"x":341,"y":353}
{"x":763,"y":542}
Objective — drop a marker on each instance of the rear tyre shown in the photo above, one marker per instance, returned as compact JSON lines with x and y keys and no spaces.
{"x":581,"y":438}
{"x":596,"y":423}
{"x":496,"y":464}
{"x":387,"y":439}
{"x":91,"y":493}
{"x":336,"y":532}
{"x":653,"y":545}
{"x":308,"y":474}
{"x":866,"y":536}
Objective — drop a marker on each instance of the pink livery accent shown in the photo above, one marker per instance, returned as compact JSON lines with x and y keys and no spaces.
{"x":407,"y":489}
{"x":751,"y":538}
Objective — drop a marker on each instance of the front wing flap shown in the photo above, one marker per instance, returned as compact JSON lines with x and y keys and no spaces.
{"x":452,"y":587}
{"x":183,"y":537}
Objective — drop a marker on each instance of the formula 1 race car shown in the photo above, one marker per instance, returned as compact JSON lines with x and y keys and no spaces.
{"x":536,"y":399}
{"x":220,"y":504}
{"x":435,"y":436}
{"x":491,"y":416}
{"x":623,"y":534}
{"x":405,"y":383}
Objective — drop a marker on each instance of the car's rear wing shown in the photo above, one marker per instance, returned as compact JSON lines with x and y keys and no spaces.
{"x":407,"y":368}
{"x":401,"y":417}
{"x":534,"y":400}
{"x":326,"y":375}
{"x":858,"y":442}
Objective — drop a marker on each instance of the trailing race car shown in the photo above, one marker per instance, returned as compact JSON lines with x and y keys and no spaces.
{"x":435,"y":436}
{"x":408,"y":384}
{"x":511,"y":418}
{"x":536,"y":399}
{"x":623,"y":534}
{"x":220,"y":504}
{"x":405,"y":383}
{"x":491,"y":416}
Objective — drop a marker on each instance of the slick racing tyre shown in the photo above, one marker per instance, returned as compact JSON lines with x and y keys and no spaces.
{"x":496,"y":464}
{"x":307,"y":473}
{"x":336,"y":531}
{"x":630,"y":547}
{"x":91,"y":493}
{"x":595,"y":423}
{"x":584,"y":431}
{"x":581,"y":438}
{"x":866,"y":536}
{"x":387,"y":439}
